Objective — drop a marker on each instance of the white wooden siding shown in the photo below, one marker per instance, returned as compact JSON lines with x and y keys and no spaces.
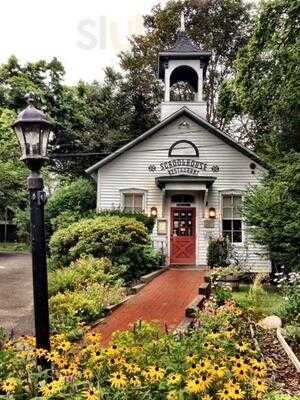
{"x":130,"y":170}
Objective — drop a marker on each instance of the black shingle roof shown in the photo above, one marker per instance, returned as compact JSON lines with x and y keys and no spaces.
{"x":183,"y":44}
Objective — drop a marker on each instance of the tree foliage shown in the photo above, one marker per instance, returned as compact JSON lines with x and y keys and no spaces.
{"x":12,"y":171}
{"x":266,"y":87}
{"x":84,"y":114}
{"x":273,"y":212}
{"x":87,"y":124}
{"x":77,"y":196}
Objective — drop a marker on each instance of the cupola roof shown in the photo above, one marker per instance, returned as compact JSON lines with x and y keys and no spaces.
{"x":183,"y":49}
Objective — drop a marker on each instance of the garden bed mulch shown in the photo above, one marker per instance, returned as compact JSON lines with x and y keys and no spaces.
{"x":283,"y":374}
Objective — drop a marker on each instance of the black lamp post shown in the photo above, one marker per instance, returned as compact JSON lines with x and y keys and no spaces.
{"x":33,"y":130}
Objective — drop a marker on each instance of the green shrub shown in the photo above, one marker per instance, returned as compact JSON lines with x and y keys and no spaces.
{"x":222,"y":294}
{"x":140,"y":260}
{"x":75,"y":197}
{"x":292,"y":332}
{"x":14,"y":247}
{"x":217,"y":253}
{"x":70,"y":310}
{"x":81,"y":273}
{"x":288,"y":283}
{"x":291,"y":309}
{"x":145,"y":219}
{"x":67,"y":218}
{"x":123,"y":240}
{"x":22,"y":220}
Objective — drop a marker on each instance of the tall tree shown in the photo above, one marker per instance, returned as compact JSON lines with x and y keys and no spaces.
{"x":85,"y":115}
{"x":96,"y":119}
{"x":216,"y":25}
{"x":266,"y":87}
{"x":99,"y":117}
{"x":273,"y":211}
{"x":12,"y":171}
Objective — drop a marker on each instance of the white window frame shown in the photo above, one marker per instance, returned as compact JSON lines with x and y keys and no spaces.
{"x":232,"y":192}
{"x":134,"y":191}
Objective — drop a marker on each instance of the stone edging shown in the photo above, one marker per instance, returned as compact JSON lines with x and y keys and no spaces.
{"x":145,"y":279}
{"x":292,"y":356}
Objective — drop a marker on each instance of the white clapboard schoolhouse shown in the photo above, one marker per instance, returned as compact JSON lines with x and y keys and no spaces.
{"x":185,"y":171}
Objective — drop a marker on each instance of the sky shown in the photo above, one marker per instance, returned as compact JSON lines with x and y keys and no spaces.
{"x":85,"y":35}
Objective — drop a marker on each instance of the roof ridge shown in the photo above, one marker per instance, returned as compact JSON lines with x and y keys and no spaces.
{"x":201,"y":121}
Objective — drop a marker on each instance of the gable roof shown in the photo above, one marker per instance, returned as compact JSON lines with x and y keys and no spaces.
{"x":184,"y":111}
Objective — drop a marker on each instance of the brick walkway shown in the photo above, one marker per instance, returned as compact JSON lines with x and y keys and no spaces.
{"x":163,"y":300}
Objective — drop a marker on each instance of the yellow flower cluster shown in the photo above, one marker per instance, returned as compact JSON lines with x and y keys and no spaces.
{"x":10,"y":385}
{"x":212,"y":364}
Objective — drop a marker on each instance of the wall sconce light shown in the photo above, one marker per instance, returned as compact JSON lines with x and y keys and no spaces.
{"x":153,"y":212}
{"x":212,"y":213}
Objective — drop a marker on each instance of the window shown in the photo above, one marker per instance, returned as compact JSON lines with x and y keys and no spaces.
{"x":133,"y":202}
{"x":182,"y":198}
{"x":183,"y":148}
{"x":232,"y":218}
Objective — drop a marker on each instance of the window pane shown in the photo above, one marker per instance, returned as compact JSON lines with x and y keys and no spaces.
{"x":227,"y":201}
{"x":237,"y":201}
{"x":237,"y":205}
{"x":237,"y":237}
{"x":227,"y":213}
{"x":227,"y":225}
{"x":138,"y":201}
{"x":128,"y":200}
{"x":237,"y":214}
{"x":237,"y":225}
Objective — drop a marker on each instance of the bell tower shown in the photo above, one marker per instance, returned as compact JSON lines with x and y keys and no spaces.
{"x":182,"y":68}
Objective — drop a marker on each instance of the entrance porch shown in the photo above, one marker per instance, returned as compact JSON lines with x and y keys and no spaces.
{"x":184,"y":203}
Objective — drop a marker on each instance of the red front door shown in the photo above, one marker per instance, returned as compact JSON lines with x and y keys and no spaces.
{"x":183,"y":236}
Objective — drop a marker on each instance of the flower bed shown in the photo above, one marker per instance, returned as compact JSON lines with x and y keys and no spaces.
{"x":216,"y":360}
{"x":80,"y":293}
{"x":259,"y":300}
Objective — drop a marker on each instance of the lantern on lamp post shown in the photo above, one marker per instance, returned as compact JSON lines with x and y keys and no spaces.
{"x":33,"y":130}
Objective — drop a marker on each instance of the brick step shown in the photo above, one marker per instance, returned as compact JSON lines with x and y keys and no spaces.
{"x":205,"y":289}
{"x":193,"y":308}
